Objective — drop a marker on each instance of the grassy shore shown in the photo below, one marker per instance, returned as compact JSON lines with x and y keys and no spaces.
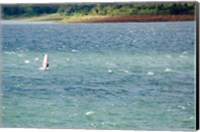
{"x":93,"y":19}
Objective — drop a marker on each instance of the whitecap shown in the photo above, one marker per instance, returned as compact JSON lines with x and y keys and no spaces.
{"x":188,"y":104}
{"x":89,"y":113}
{"x":112,"y":105}
{"x":111,"y":64}
{"x":150,"y":73}
{"x":126,"y":71}
{"x":110,"y":71}
{"x":43,"y":69}
{"x":93,"y":125}
{"x":73,"y":50}
{"x":67,"y":59}
{"x":168,"y":70}
{"x":49,"y":104}
{"x":168,"y":109}
{"x":27,"y":61}
{"x":168,"y":56}
{"x":10,"y":53}
{"x":19,"y":55}
{"x":183,"y":56}
{"x":185,"y":52}
{"x":36,"y":59}
{"x":182,"y":107}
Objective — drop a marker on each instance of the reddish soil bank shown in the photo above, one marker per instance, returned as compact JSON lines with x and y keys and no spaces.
{"x":144,"y":18}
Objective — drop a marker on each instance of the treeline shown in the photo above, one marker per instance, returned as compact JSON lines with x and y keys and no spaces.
{"x":108,"y":9}
{"x":27,"y":10}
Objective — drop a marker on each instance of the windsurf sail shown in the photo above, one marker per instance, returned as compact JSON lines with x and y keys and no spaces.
{"x":45,"y":61}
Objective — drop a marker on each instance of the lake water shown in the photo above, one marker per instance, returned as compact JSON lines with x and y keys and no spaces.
{"x":138,"y":76}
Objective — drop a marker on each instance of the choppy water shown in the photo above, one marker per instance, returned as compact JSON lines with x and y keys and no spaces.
{"x":102,"y":76}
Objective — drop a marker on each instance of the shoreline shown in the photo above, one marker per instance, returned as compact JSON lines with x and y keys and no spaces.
{"x":107,"y":19}
{"x":145,"y":18}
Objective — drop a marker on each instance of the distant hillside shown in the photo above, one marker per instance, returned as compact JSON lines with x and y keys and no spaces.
{"x":99,"y":9}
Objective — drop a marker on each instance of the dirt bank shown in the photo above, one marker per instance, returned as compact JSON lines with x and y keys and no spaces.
{"x":144,"y":18}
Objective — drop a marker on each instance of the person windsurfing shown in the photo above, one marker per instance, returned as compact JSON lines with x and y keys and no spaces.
{"x":45,"y":62}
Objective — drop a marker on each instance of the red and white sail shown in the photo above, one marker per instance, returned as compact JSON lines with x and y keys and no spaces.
{"x":45,"y":61}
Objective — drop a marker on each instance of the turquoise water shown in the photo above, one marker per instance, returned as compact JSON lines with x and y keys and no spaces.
{"x":136,"y":76}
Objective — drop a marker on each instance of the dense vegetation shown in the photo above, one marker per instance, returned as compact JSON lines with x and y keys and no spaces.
{"x":99,"y":9}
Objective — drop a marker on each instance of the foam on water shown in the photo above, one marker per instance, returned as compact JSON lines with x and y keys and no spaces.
{"x":19,"y":55}
{"x":183,"y":56}
{"x":185,"y":52}
{"x":36,"y":59}
{"x":125,"y":71}
{"x":150,"y":73}
{"x":181,"y":107}
{"x":110,"y":71}
{"x":169,"y":56}
{"x":89,"y":113}
{"x":10,"y":53}
{"x":75,"y":51}
{"x":168,"y":70}
{"x":26,"y":61}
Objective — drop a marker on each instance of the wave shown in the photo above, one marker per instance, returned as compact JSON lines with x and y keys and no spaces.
{"x":168,"y":70}
{"x":26,"y":61}
{"x":150,"y":73}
